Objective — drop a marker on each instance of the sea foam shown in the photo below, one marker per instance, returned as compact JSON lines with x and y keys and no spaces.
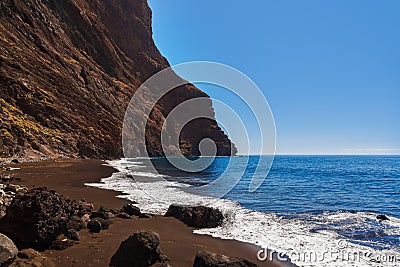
{"x":304,"y":237}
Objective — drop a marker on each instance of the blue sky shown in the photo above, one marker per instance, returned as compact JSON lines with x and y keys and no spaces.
{"x":330,"y":70}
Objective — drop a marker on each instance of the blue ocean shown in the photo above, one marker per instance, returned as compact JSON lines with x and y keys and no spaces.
{"x":305,"y":204}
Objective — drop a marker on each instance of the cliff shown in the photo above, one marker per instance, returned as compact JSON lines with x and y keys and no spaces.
{"x":68,"y":69}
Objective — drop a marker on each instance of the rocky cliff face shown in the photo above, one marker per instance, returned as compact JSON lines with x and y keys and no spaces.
{"x":68,"y":69}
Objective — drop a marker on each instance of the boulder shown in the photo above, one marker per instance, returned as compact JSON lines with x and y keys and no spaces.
{"x":100,"y":214}
{"x":31,"y":258}
{"x":35,"y":219}
{"x":198,"y":216}
{"x":94,"y":226}
{"x":131,"y":210}
{"x":8,"y":250}
{"x":73,"y":235}
{"x":207,"y":259}
{"x":140,"y":250}
{"x":382,"y":217}
{"x":75,"y":223}
{"x":105,"y":224}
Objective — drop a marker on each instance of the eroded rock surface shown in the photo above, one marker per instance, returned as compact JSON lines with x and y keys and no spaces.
{"x":35,"y":219}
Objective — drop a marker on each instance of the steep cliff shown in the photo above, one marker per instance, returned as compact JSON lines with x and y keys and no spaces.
{"x":68,"y":69}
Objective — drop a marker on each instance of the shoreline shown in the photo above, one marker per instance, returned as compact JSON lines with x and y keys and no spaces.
{"x":178,"y":242}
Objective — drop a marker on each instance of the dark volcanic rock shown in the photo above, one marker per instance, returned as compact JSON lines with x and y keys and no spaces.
{"x":199,"y":216}
{"x":382,"y":217}
{"x":94,"y":226}
{"x":85,"y":208}
{"x":62,"y":243}
{"x":207,"y":259}
{"x":72,"y":234}
{"x":139,"y":250}
{"x":68,"y":71}
{"x":7,"y":194}
{"x":36,"y":218}
{"x":131,"y":210}
{"x":145,"y":215}
{"x":8,"y":250}
{"x":105,"y":224}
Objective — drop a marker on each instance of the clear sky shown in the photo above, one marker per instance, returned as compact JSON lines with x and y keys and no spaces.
{"x":330,"y":70}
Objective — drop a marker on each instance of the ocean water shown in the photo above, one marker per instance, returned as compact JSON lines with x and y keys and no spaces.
{"x":317,"y":210}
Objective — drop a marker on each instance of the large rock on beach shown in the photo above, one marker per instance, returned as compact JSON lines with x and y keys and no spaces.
{"x":8,"y":250}
{"x":140,"y":250}
{"x":198,"y":216}
{"x":35,"y":219}
{"x":97,"y":224}
{"x":131,"y":210}
{"x":69,"y":69}
{"x":207,"y":259}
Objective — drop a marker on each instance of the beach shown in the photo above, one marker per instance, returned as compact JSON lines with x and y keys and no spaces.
{"x":177,"y":241}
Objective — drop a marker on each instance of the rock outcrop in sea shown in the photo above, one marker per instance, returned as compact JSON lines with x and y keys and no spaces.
{"x":197,"y":216}
{"x":207,"y":259}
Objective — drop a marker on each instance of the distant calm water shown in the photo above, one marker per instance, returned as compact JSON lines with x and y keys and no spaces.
{"x":309,"y":183}
{"x":306,"y":201}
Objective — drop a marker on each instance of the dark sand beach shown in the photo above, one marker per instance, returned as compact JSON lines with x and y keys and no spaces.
{"x":68,"y":176}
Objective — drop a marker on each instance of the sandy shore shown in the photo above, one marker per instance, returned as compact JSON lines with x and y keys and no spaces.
{"x":68,"y":176}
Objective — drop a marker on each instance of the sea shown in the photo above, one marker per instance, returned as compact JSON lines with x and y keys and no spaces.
{"x":314,"y":210}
